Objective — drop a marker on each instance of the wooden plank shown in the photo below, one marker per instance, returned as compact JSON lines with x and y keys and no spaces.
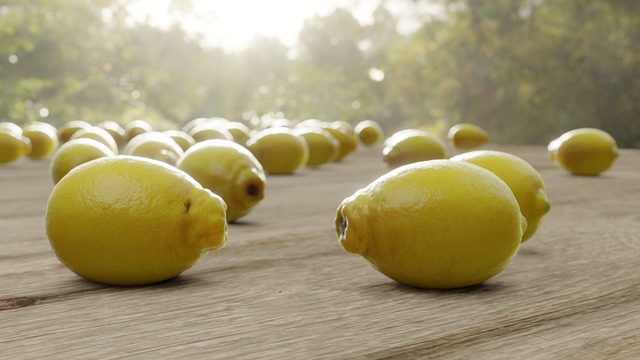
{"x":283,"y":287}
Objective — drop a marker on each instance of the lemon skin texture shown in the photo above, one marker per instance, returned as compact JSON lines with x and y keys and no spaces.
{"x":125,"y":220}
{"x":409,"y":146}
{"x":279,"y":150}
{"x":467,"y":136}
{"x":369,"y":132}
{"x":586,"y":151}
{"x":323,"y":147}
{"x":43,"y":138}
{"x":433,"y":224}
{"x":524,"y":180}
{"x":73,"y":153}
{"x":229,"y":170}
{"x":13,"y":146}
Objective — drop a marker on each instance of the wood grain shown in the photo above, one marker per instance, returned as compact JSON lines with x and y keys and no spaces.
{"x":283,"y":288}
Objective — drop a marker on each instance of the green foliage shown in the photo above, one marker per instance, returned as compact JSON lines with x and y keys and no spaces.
{"x":525,"y":70}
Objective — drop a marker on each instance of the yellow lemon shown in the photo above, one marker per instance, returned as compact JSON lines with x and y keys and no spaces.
{"x":239,"y":131}
{"x":229,"y":170}
{"x":13,"y":146}
{"x":6,"y":126}
{"x":346,"y":127}
{"x":323,"y":147}
{"x":43,"y":137}
{"x":97,"y":134}
{"x":433,"y":224}
{"x":552,"y":149}
{"x":586,"y":151}
{"x":524,"y":180}
{"x":116,"y":131}
{"x":154,"y":145}
{"x":73,"y":153}
{"x":69,"y":128}
{"x":467,"y":136}
{"x":192,"y":123}
{"x":126,"y":220}
{"x":347,"y":141}
{"x":184,"y":140}
{"x":279,"y":150}
{"x":411,"y":145}
{"x":136,"y":127}
{"x":210,"y":131}
{"x":369,"y":132}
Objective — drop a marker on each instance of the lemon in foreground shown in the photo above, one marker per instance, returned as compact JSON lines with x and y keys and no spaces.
{"x":13,"y":146}
{"x":524,"y":180}
{"x":125,"y":220}
{"x":279,"y":150}
{"x":369,"y":132}
{"x":585,"y":151}
{"x":73,"y":153}
{"x":411,"y":145}
{"x":229,"y":170}
{"x":467,"y":136}
{"x":433,"y":224}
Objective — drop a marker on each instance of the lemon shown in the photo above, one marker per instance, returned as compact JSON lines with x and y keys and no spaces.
{"x":97,"y":134}
{"x":69,"y":128}
{"x":524,"y":180}
{"x":279,"y":150}
{"x":411,"y":145}
{"x":347,"y":140}
{"x":229,"y":170}
{"x":344,"y":126}
{"x":552,"y":149}
{"x":586,"y":151}
{"x":369,"y":132}
{"x":6,"y":126}
{"x":126,"y":220}
{"x":323,"y":147}
{"x":467,"y":136}
{"x":43,"y":137}
{"x":209,"y":131}
{"x":433,"y":224}
{"x":116,"y":131}
{"x":184,"y":140}
{"x":192,"y":123}
{"x":239,"y":131}
{"x":73,"y":153}
{"x":136,"y":127}
{"x":13,"y":146}
{"x":154,"y":145}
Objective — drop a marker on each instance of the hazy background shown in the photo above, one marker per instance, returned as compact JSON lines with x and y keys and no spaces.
{"x":525,"y":70}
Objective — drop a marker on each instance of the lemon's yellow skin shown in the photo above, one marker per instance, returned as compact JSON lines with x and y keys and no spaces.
{"x":524,"y":180}
{"x":347,"y":141}
{"x":467,"y":136}
{"x":239,"y":131}
{"x":69,"y":128}
{"x":184,"y":140}
{"x":346,"y":127}
{"x":116,"y":131}
{"x":229,"y":170}
{"x":586,"y":151}
{"x":209,"y":131}
{"x":73,"y":153}
{"x":411,"y":145}
{"x":279,"y":150}
{"x":369,"y":132}
{"x":433,"y":224}
{"x":154,"y":145}
{"x":136,"y":127}
{"x":97,"y":134}
{"x":125,"y":220}
{"x":323,"y":147}
{"x":13,"y":146}
{"x":6,"y":126}
{"x":43,"y":138}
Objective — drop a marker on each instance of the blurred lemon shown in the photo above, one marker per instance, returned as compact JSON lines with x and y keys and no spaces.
{"x":125,"y":220}
{"x":209,"y":131}
{"x":279,"y":150}
{"x":433,"y":224}
{"x":239,"y":131}
{"x":6,"y":126}
{"x":66,"y":130}
{"x":586,"y":151}
{"x":467,"y":136}
{"x":411,"y":145}
{"x":192,"y":123}
{"x":43,"y":138}
{"x":136,"y":127}
{"x":116,"y":131}
{"x":344,"y":126}
{"x":97,"y":134}
{"x":347,"y":141}
{"x":154,"y":145}
{"x":13,"y":146}
{"x":184,"y":140}
{"x":323,"y":147}
{"x":523,"y":179}
{"x":369,"y":132}
{"x":229,"y":170}
{"x":73,"y":153}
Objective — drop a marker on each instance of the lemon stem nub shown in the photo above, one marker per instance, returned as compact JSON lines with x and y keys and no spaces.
{"x":253,"y":190}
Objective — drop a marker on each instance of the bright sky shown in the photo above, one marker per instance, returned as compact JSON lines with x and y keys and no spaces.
{"x":232,"y":24}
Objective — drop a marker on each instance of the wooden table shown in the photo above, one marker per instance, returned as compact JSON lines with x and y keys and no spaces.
{"x":283,"y":288}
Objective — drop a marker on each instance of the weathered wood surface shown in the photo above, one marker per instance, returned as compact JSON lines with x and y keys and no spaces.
{"x":283,"y":287}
